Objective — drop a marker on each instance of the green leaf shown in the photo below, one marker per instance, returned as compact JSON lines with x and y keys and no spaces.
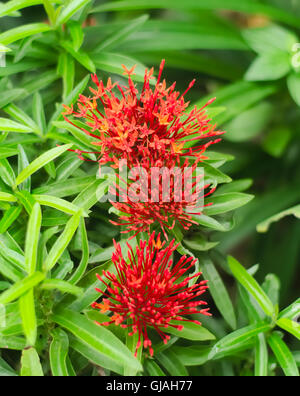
{"x":18,"y":114}
{"x":153,"y":369}
{"x":210,"y":222}
{"x":30,"y":364}
{"x":9,"y":217}
{"x":112,"y":63}
{"x":60,"y":204}
{"x":27,"y":311}
{"x":172,"y":364}
{"x":235,"y":186}
{"x":41,"y":161}
{"x":21,"y":287}
{"x":270,"y":39}
{"x":22,"y":164}
{"x":62,"y":189}
{"x":261,"y":356}
{"x":12,"y":256}
{"x":251,"y":286}
{"x":66,"y":69}
{"x":290,"y":325}
{"x":218,"y":290}
{"x":39,"y":113}
{"x":9,"y":271}
{"x":6,"y":197}
{"x":269,"y":67}
{"x":246,"y":6}
{"x":21,"y":32}
{"x":265,"y":225}
{"x":26,"y":199}
{"x":231,"y":343}
{"x":283,"y":355}
{"x":76,"y":33}
{"x":165,"y":35}
{"x":76,"y":132}
{"x":81,"y":57}
{"x":238,"y":97}
{"x":71,"y":98}
{"x":277,"y":140}
{"x":199,"y":244}
{"x":192,"y":356}
{"x":96,"y":337}
{"x":250,"y":123}
{"x":95,"y":356}
{"x":32,"y":239}
{"x":293,"y":82}
{"x":6,"y":370}
{"x":84,"y":244}
{"x":63,"y":286}
{"x":120,"y":35}
{"x":58,"y":353}
{"x":292,"y":311}
{"x":226,"y":203}
{"x":13,"y":94}
{"x":61,"y":243}
{"x":7,"y":152}
{"x":12,"y":126}
{"x":15,"y":5}
{"x":69,"y":10}
{"x":191,"y":331}
{"x":6,"y":172}
{"x":14,"y":343}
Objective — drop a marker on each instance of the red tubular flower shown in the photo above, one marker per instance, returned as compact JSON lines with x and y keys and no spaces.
{"x":130,"y":126}
{"x":166,"y":200}
{"x":149,"y":291}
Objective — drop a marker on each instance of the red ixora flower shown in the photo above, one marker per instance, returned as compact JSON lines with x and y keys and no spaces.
{"x":162,"y":196}
{"x":130,"y":126}
{"x":150,"y":291}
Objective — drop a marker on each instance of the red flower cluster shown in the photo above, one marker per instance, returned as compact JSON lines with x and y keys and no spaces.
{"x":150,"y":291}
{"x":173,"y":196}
{"x":132,"y":127}
{"x":147,"y":129}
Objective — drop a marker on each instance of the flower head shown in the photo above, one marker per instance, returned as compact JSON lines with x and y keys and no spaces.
{"x":150,"y":291}
{"x":163,"y":196}
{"x":132,"y":126}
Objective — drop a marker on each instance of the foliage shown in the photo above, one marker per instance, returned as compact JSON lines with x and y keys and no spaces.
{"x":55,"y":235}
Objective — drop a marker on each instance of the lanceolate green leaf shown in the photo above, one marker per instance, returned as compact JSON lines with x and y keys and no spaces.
{"x":252,"y":286}
{"x":9,"y":217}
{"x":70,"y":9}
{"x":291,"y":326}
{"x":96,"y":337}
{"x":218,"y":290}
{"x":27,"y":311}
{"x":59,"y":204}
{"x":264,"y":226}
{"x":191,"y":331}
{"x":32,"y":239}
{"x":21,"y":287}
{"x":61,"y":243}
{"x":21,"y":32}
{"x":226,"y":202}
{"x":283,"y":355}
{"x":30,"y":364}
{"x":58,"y":353}
{"x":41,"y":161}
{"x":237,"y":339}
{"x":63,"y":286}
{"x":261,"y":356}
